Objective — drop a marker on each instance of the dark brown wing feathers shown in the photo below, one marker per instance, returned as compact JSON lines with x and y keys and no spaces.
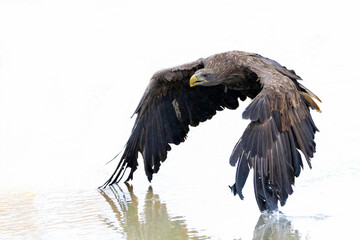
{"x":281,"y":125}
{"x":164,"y":114}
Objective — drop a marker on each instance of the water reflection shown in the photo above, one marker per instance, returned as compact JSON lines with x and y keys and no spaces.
{"x":275,"y":226}
{"x":154,"y":222}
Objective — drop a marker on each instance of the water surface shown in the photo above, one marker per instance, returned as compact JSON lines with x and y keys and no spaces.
{"x":118,"y":213}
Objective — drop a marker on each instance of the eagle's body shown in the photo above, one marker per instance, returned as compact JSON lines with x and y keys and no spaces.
{"x":281,"y":123}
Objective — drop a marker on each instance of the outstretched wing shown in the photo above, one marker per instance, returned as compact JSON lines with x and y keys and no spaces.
{"x":164,"y":114}
{"x":281,"y":125}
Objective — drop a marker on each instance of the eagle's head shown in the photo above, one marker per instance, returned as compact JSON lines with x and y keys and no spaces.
{"x":204,"y":77}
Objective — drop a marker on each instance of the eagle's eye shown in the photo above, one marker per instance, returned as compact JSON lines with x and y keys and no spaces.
{"x":205,"y":75}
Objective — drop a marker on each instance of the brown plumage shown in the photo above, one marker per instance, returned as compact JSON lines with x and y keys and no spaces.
{"x":280,"y":126}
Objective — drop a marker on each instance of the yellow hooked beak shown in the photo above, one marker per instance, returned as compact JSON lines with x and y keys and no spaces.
{"x":195,"y":80}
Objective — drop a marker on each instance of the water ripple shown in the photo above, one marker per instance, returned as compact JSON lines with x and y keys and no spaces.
{"x":90,"y":214}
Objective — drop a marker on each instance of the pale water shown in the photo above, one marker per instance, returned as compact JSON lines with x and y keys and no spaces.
{"x":72,"y":73}
{"x":122,"y":212}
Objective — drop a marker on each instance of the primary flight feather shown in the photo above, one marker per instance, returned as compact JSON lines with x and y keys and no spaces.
{"x":183,"y":96}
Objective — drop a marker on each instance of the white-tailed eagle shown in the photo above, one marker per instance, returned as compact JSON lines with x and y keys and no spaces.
{"x":183,"y":96}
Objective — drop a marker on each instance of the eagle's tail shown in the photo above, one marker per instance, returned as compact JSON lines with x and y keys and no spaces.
{"x":309,"y":97}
